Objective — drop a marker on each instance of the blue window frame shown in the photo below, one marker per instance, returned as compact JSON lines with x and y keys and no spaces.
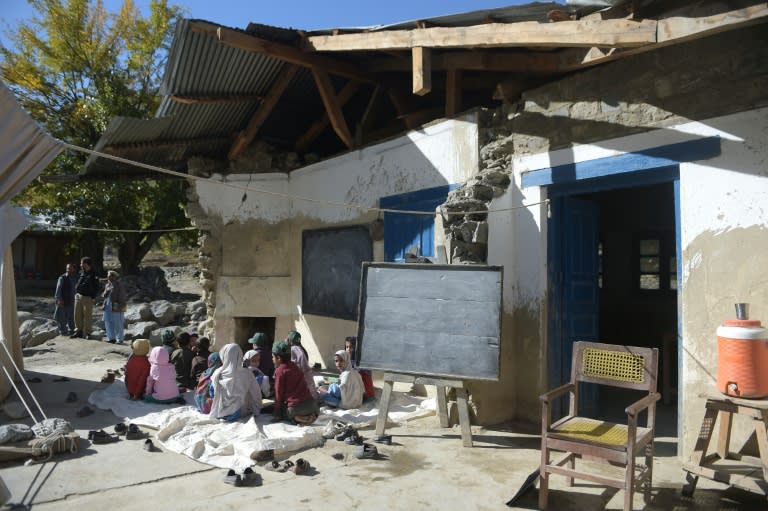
{"x":404,"y":230}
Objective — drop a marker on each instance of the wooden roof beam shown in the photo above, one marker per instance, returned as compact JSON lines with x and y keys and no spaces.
{"x":245,"y":137}
{"x":422,"y":70}
{"x":478,"y":60}
{"x":671,"y":31}
{"x":614,"y":33}
{"x":314,"y":131}
{"x":332,"y":106}
{"x":214,"y":100}
{"x":247,"y":42}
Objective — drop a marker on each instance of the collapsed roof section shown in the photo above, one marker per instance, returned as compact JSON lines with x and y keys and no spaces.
{"x":328,"y":91}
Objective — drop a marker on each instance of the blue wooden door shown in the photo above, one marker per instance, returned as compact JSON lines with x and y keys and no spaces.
{"x":404,"y":230}
{"x":574,"y":278}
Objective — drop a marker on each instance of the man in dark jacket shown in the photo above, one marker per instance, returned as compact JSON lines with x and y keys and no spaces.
{"x":64,"y":313}
{"x":86,"y":289}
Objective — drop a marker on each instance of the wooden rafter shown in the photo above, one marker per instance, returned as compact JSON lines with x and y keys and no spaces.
{"x":332,"y":106}
{"x":243,"y":41}
{"x":612,"y":33}
{"x":671,"y":31}
{"x":246,"y":136}
{"x":478,"y":60}
{"x":368,"y":116}
{"x":452,"y":92}
{"x":212,"y":100}
{"x":422,"y":70}
{"x":314,"y":131}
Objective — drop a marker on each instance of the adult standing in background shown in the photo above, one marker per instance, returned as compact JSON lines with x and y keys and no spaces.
{"x":64,"y":313}
{"x":86,"y":289}
{"x":115,"y":305}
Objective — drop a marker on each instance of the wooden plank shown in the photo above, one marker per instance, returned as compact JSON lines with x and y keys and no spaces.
{"x":724,"y":434}
{"x":314,"y":131}
{"x":679,"y":29}
{"x":366,"y":121}
{"x":463,"y":406}
{"x":332,"y":106}
{"x":610,"y":33}
{"x":215,"y":100}
{"x":243,"y":41}
{"x":421,"y":60}
{"x":270,"y":101}
{"x":442,"y":406}
{"x":479,"y":60}
{"x":671,"y":31}
{"x":386,"y":396}
{"x":452,"y":92}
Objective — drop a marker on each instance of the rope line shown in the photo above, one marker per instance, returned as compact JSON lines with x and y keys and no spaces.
{"x":246,"y":188}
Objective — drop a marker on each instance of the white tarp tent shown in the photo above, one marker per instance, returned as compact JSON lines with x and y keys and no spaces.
{"x":25,"y":150}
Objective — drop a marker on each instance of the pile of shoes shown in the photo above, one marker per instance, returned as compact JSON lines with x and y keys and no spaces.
{"x":101,"y":437}
{"x":247,"y":478}
{"x":301,"y":467}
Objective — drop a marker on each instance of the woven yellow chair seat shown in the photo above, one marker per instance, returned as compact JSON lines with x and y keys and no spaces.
{"x":604,"y":433}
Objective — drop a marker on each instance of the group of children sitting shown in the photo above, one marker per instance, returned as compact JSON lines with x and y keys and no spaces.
{"x":229,"y":384}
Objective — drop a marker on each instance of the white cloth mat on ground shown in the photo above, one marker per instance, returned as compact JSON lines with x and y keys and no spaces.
{"x":182,"y":429}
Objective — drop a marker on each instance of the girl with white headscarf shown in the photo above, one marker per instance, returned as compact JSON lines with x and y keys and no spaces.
{"x":348,"y":392}
{"x":235,"y":391}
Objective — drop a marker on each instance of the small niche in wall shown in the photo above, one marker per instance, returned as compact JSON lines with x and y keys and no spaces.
{"x":330,"y":270}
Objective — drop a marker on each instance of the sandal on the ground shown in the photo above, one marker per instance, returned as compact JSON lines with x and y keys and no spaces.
{"x":354,"y":439}
{"x":251,"y":478}
{"x":121,"y":428}
{"x":134,"y":433}
{"x":348,"y":431}
{"x":366,"y":451}
{"x":383,"y":439}
{"x":286,"y":466}
{"x":84,"y":411}
{"x":301,"y":467}
{"x":334,"y":428}
{"x":266,"y":455}
{"x":274,"y":465}
{"x":101,"y":437}
{"x":232,"y":478}
{"x":149,"y":446}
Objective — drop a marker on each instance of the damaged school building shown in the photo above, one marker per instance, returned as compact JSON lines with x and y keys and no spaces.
{"x":614,"y":161}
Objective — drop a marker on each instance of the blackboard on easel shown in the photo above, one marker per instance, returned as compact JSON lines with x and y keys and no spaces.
{"x":431,"y":320}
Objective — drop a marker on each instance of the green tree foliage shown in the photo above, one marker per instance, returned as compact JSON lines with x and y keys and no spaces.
{"x":73,"y":66}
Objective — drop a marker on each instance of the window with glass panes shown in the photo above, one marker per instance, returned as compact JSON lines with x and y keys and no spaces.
{"x":656,"y":263}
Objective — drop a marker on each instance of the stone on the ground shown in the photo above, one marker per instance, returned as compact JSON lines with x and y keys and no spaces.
{"x":139,"y":313}
{"x":164,"y":311}
{"x":15,"y":410}
{"x":36,"y":331}
{"x":197,"y":307}
{"x":141,"y":330}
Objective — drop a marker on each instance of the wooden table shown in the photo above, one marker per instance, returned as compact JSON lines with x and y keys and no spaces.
{"x":745,"y":472}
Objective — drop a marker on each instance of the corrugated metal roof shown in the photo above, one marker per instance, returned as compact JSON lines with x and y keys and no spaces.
{"x":198,"y":66}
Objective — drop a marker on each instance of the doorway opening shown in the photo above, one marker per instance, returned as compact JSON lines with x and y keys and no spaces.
{"x":245,"y":327}
{"x":614,"y":276}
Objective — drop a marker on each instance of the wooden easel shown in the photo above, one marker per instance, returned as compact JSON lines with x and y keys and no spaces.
{"x":442,"y":404}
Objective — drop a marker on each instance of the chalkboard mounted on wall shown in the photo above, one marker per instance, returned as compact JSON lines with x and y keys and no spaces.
{"x":330,"y":270}
{"x":431,"y":320}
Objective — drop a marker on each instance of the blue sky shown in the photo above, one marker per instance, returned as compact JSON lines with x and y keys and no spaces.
{"x":303,"y":14}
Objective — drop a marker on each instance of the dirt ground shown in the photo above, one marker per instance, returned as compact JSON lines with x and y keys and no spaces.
{"x":426,"y":466}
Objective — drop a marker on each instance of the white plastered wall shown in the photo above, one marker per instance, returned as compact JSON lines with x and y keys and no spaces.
{"x":724,"y":238}
{"x":261,"y":259}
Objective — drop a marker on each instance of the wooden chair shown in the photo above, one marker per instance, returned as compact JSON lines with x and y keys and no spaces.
{"x":626,"y":367}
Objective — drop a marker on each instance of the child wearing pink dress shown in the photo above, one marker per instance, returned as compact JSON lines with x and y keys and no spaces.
{"x":161,"y":382}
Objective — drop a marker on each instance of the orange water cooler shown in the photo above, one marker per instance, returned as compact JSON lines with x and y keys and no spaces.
{"x":742,"y":354}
